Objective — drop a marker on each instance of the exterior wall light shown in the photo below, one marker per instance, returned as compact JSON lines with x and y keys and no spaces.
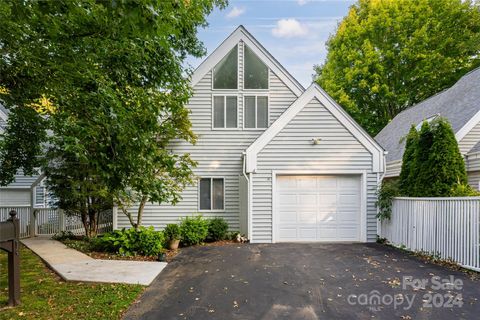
{"x":316,"y":141}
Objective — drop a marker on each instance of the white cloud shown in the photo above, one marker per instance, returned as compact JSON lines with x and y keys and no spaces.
{"x":302,"y":2}
{"x":288,"y":28}
{"x":235,"y":12}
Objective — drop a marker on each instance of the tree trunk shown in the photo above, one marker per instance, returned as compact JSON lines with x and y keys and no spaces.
{"x":140,"y":212}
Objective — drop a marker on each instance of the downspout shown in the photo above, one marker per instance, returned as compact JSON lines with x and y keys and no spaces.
{"x":249,"y":196}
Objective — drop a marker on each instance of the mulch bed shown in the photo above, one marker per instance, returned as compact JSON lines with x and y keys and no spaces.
{"x":170,"y":254}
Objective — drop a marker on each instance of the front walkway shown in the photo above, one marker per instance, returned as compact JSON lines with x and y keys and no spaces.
{"x":73,"y":265}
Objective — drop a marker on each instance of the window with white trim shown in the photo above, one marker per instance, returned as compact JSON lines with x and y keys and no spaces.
{"x":225,"y":73}
{"x":255,"y":112}
{"x":225,"y":112}
{"x":255,"y":72}
{"x":211,"y":194}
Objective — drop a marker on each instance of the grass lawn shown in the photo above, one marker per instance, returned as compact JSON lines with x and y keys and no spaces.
{"x":45,"y":296}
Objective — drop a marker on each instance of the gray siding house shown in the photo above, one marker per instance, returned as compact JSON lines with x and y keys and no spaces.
{"x":460,"y":104}
{"x":279,"y":162}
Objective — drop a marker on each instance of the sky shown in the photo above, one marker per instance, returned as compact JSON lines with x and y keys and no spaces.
{"x":293,"y":31}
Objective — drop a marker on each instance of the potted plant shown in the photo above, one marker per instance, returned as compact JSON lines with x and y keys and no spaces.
{"x":172,"y":235}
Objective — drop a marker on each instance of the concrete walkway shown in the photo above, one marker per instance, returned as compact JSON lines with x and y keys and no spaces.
{"x":73,"y":265}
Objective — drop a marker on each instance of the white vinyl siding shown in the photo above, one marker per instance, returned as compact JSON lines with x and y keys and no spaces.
{"x":12,"y":197}
{"x":393,"y":169}
{"x":470,"y":139}
{"x":292,"y":150}
{"x":474,"y":179}
{"x":218,"y":152}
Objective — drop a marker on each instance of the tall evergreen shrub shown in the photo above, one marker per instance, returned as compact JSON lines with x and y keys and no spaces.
{"x":408,"y":172}
{"x":445,"y":164}
{"x":421,"y":162}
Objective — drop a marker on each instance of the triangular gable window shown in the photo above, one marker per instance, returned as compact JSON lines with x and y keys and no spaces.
{"x":225,"y":73}
{"x":256,"y":72}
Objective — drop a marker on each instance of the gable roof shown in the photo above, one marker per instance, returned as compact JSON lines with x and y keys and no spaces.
{"x":314,"y":91}
{"x":241,"y":34}
{"x":460,"y":104}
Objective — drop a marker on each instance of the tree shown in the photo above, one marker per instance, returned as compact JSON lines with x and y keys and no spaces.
{"x":421,"y":186}
{"x":106,"y":80}
{"x":387,"y":55}
{"x":445,"y":162}
{"x":408,"y":173}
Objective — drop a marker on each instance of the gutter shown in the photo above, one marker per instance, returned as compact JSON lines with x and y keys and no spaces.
{"x":248,"y":177}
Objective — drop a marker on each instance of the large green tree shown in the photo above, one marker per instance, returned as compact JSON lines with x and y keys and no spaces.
{"x":96,"y":91}
{"x":387,"y":55}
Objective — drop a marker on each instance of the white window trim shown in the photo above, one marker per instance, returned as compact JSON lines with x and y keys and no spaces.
{"x":43,"y":204}
{"x":238,"y":72}
{"x":243,"y":74}
{"x":256,"y":95}
{"x":211,"y":193}
{"x":225,"y":95}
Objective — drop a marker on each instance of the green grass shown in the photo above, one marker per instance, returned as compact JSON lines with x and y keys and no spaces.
{"x":45,"y":296}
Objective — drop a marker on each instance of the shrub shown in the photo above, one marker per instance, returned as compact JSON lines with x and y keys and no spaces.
{"x":463,"y":190}
{"x":193,"y":230}
{"x":145,"y":241}
{"x":64,"y":235}
{"x":172,"y":232}
{"x":385,"y":195}
{"x":217,"y":229}
{"x":407,"y":173}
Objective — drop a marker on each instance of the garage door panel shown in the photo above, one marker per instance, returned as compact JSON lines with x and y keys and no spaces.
{"x":318,"y":208}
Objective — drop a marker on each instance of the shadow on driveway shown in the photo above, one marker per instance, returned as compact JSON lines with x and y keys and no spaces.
{"x":305,"y":281}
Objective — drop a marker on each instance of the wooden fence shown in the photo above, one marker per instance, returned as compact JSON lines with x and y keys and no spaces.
{"x":446,"y":227}
{"x":48,"y":221}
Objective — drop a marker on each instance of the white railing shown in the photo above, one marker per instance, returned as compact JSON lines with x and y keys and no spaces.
{"x":48,"y":221}
{"x":23,"y":214}
{"x":446,"y":227}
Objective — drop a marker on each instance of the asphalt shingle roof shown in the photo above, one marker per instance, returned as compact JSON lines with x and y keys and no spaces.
{"x":458,"y":104}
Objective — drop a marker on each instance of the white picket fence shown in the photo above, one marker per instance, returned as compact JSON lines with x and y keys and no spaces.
{"x":446,"y":227}
{"x":48,"y":221}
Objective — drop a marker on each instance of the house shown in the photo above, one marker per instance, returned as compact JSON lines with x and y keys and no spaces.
{"x":279,"y":162}
{"x":460,"y":104}
{"x":25,"y":190}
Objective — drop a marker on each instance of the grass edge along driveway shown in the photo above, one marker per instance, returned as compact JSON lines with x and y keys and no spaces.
{"x":45,"y":296}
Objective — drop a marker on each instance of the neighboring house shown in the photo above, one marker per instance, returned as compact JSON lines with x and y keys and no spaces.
{"x":278,"y":162}
{"x":460,"y":104}
{"x":25,"y":190}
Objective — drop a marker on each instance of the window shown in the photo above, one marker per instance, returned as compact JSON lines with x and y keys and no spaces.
{"x":256,"y":112}
{"x":255,"y":71}
{"x":211,"y":194}
{"x":225,"y":112}
{"x":225,"y":73}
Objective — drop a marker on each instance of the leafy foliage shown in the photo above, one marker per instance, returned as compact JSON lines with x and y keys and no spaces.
{"x":63,"y":235}
{"x":194,"y":230}
{"x":144,"y":241}
{"x":432,"y":164}
{"x":106,"y":80}
{"x":217,"y":229}
{"x":385,"y":195}
{"x":390,"y":54}
{"x":408,"y":172}
{"x":172,"y":232}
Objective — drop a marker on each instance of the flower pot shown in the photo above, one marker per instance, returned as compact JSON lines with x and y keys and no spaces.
{"x":162,"y":257}
{"x":173,"y":244}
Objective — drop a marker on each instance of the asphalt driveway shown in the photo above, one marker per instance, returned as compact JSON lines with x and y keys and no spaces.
{"x":306,"y":281}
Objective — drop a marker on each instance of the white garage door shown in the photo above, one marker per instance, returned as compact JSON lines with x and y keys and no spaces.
{"x":317,"y":208}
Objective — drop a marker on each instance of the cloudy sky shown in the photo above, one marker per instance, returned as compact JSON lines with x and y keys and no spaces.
{"x":293,"y":31}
